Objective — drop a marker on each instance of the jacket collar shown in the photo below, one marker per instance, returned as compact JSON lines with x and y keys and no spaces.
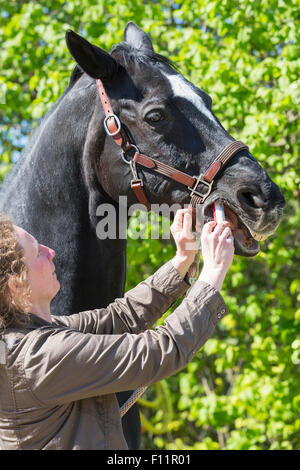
{"x":36,"y":321}
{"x":30,"y":323}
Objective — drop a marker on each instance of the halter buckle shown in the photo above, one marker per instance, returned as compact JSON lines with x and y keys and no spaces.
{"x":118,"y":124}
{"x":137,"y":181}
{"x":201,"y":180}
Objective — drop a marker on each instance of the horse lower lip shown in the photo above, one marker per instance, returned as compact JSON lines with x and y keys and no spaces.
{"x":259,"y":238}
{"x":245,"y":239}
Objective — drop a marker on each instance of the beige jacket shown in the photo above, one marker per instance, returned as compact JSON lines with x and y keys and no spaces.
{"x":58,"y":380}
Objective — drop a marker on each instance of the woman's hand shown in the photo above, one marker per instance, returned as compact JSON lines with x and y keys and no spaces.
{"x":186,"y":244}
{"x":217,"y":251}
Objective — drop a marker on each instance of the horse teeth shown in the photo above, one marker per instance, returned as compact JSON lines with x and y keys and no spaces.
{"x":258,"y":237}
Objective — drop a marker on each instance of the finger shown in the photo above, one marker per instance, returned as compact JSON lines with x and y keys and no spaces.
{"x":225,"y":234}
{"x":220,"y":227}
{"x":187,"y":222}
{"x":207,"y":231}
{"x":186,"y":210}
{"x":178,"y":220}
{"x":208,"y":228}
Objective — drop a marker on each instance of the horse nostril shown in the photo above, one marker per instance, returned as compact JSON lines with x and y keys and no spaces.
{"x":253,"y":200}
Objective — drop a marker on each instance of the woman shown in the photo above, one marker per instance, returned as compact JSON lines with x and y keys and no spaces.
{"x":59,"y":375}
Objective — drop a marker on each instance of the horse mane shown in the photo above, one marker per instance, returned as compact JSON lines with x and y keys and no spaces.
{"x":127,"y":52}
{"x":76,"y":74}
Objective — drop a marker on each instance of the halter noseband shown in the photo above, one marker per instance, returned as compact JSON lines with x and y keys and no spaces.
{"x":114,"y":129}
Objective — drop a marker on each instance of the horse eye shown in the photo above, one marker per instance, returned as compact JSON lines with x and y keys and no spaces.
{"x":155,"y":116}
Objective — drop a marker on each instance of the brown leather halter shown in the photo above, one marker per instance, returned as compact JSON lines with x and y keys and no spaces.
{"x":114,"y":129}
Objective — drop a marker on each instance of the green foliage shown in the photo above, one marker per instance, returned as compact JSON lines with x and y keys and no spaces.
{"x":242,"y":390}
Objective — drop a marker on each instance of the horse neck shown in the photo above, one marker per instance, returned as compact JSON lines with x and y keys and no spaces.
{"x":55,"y":154}
{"x":52,"y":172}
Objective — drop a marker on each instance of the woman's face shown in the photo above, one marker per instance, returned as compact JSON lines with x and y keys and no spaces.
{"x":41,"y":270}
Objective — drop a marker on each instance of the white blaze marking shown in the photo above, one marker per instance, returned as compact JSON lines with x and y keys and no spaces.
{"x":183,"y":89}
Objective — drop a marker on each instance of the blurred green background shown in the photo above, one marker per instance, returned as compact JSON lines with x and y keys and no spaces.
{"x":242,"y":390}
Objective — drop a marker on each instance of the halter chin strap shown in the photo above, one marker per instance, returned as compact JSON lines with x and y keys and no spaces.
{"x":200,"y":186}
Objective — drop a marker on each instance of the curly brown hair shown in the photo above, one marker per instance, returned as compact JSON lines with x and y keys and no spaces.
{"x":12,"y":263}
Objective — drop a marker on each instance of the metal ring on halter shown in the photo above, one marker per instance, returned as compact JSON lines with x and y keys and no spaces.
{"x":134,"y":172}
{"x":123,"y":154}
{"x":117,"y":120}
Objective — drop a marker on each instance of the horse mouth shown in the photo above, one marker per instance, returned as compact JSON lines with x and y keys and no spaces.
{"x":245,"y":239}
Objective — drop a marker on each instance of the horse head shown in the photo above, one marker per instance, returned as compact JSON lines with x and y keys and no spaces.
{"x":171,"y":120}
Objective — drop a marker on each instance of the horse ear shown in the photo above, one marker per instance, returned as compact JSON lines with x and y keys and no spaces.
{"x":136,"y":37}
{"x":93,"y":60}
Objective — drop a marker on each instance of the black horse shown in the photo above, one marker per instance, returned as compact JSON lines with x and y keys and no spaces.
{"x":71,"y":166}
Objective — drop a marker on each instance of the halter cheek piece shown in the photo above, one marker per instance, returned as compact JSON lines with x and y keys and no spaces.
{"x":200,"y":186}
